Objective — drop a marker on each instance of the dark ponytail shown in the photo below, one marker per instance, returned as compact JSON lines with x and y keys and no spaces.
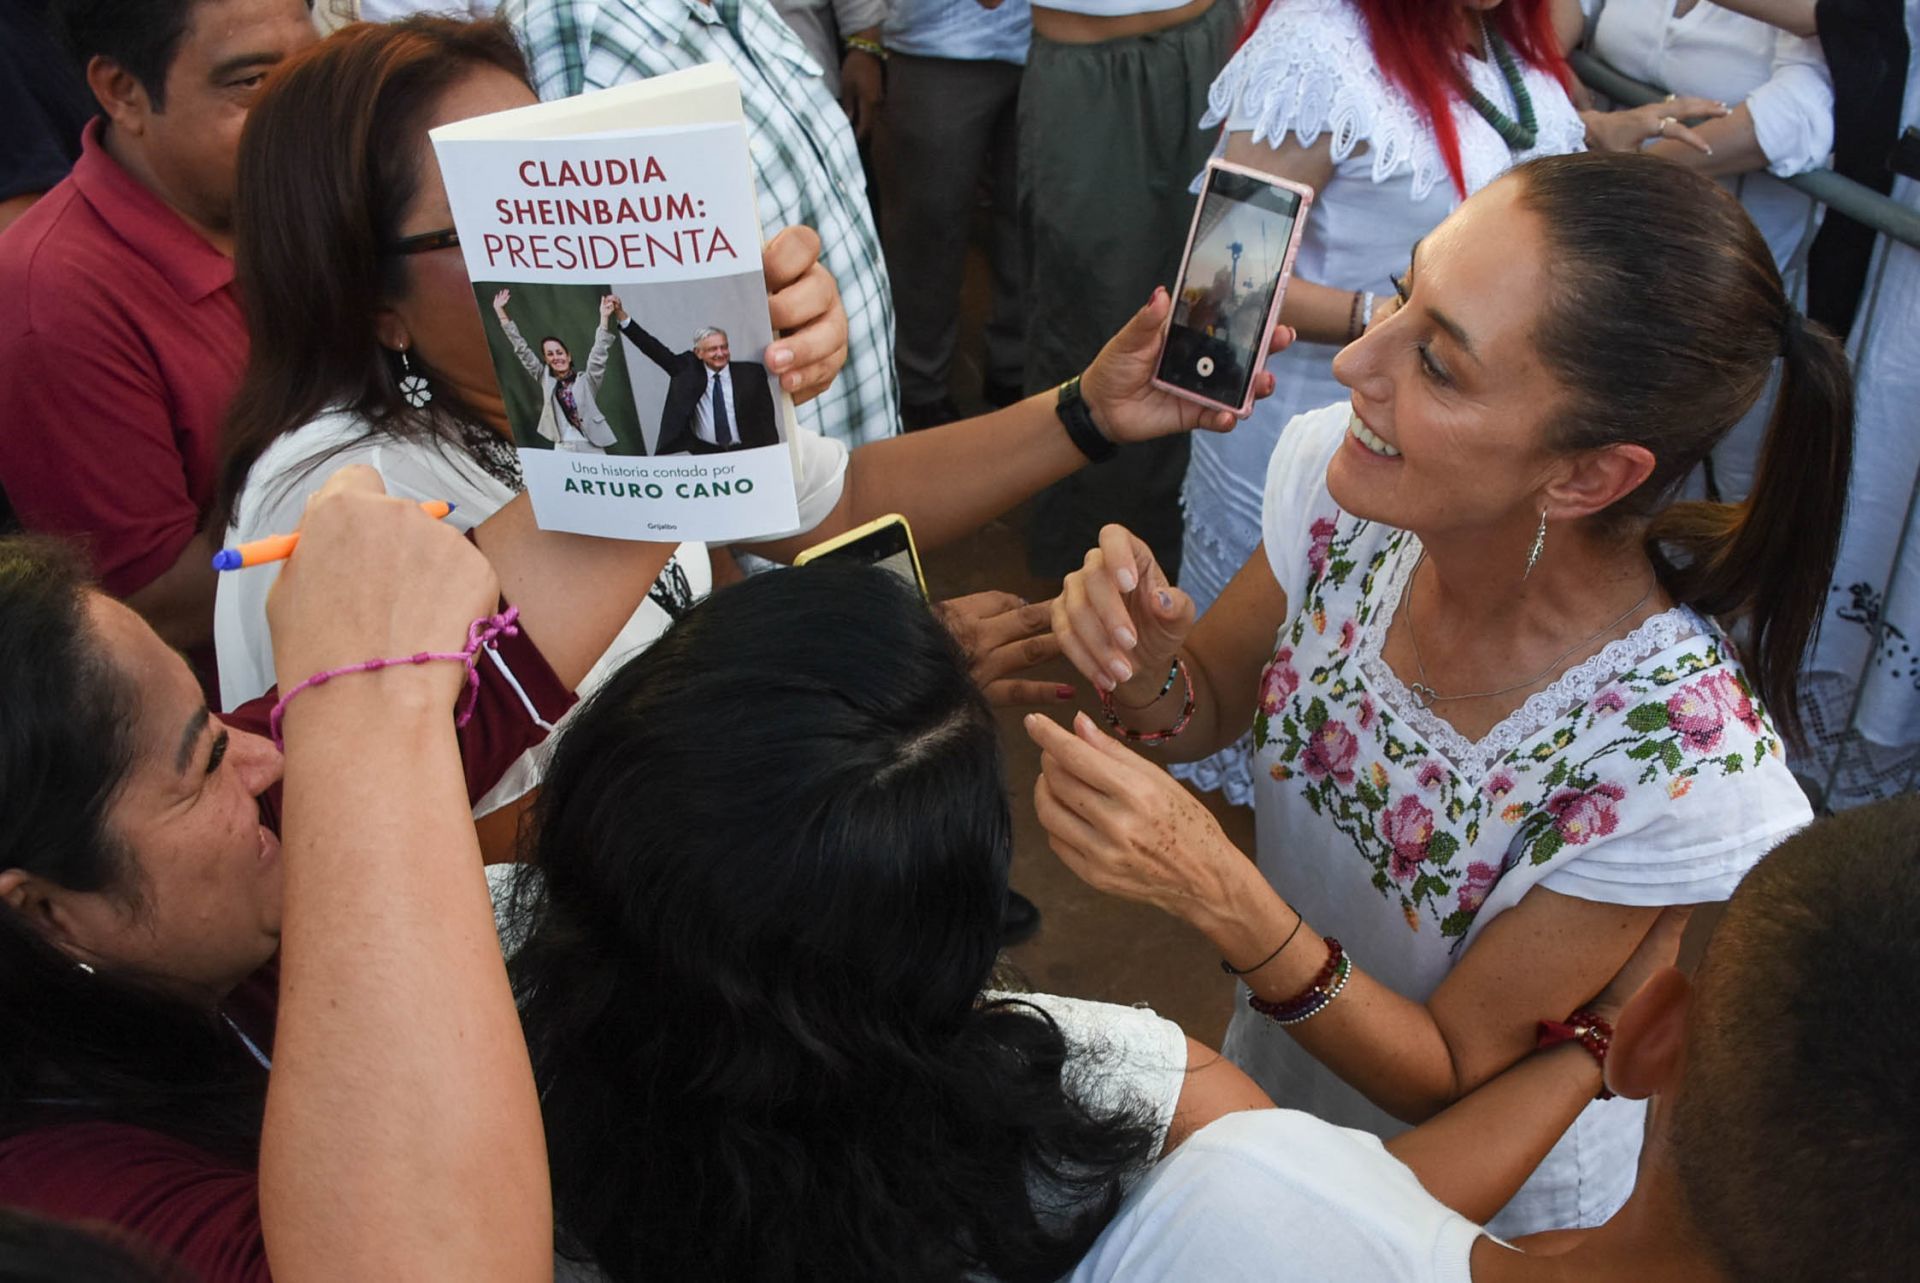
{"x":75,"y":1044}
{"x":1667,"y":318}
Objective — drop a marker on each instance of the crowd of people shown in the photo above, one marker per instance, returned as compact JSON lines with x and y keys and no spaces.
{"x":458,"y":897}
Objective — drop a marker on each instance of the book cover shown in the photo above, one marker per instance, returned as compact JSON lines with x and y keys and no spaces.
{"x":613,"y":243}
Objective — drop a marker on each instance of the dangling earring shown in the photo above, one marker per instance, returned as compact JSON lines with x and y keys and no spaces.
{"x":85,"y":966}
{"x":1539,"y":542}
{"x":413,"y":384}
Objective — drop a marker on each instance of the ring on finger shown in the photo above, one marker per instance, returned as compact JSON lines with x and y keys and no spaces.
{"x":1664,"y":122}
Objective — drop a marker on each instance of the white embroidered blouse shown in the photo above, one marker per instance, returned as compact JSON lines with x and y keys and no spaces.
{"x":1648,"y":775}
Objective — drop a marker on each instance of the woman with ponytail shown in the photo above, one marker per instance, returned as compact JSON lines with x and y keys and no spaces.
{"x":1393,"y":111}
{"x":1504,"y":719}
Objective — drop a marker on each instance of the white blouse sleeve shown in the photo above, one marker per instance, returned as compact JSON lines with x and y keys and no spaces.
{"x":1296,"y":493}
{"x":1793,"y":111}
{"x":1118,"y":1058}
{"x":1309,"y":70}
{"x":1694,"y":851}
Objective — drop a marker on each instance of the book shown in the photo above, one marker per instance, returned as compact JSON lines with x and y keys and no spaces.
{"x":613,"y":242}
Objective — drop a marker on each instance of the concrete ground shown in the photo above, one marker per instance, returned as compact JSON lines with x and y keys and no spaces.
{"x":1089,"y":945}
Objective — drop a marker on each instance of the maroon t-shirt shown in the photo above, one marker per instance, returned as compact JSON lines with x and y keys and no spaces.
{"x":121,"y":343}
{"x":203,"y":1210}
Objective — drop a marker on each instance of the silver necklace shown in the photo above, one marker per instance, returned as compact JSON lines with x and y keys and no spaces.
{"x":1426,"y":696}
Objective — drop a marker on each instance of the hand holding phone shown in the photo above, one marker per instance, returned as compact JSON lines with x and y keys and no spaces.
{"x":886,"y":542}
{"x":1240,"y":249}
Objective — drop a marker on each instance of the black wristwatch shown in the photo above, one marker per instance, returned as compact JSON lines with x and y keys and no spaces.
{"x":1078,"y":421}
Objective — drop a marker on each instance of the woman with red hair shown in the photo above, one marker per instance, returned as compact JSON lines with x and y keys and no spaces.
{"x":1393,"y":111}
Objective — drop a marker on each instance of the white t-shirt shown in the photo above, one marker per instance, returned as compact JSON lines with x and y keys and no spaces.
{"x":1111,"y":8}
{"x":1275,"y":1194}
{"x":292,"y":468}
{"x":1648,"y":775}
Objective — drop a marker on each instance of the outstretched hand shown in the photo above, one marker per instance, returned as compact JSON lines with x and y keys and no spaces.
{"x":1119,"y":390}
{"x":1001,"y":634}
{"x":500,"y":302}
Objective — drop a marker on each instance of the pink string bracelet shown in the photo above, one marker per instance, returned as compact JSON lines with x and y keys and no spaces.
{"x":480,"y":633}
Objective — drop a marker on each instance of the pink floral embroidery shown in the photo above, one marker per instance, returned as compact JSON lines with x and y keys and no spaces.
{"x":1480,"y":879}
{"x":1408,"y":828}
{"x":1500,"y":783}
{"x":1279,"y":682}
{"x":1696,"y":713}
{"x":1330,"y":751}
{"x":1581,"y":816}
{"x":1430,"y":774}
{"x":1322,"y":531}
{"x":1347,"y":633}
{"x":1366,"y":713}
{"x":1610,"y":700}
{"x":1732,"y":699}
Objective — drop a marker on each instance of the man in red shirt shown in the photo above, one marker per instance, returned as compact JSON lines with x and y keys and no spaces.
{"x":122,"y":340}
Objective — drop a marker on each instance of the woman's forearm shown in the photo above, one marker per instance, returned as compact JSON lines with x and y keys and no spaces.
{"x":402,"y":1134}
{"x":1320,"y":313}
{"x":1475,"y":1154}
{"x":574,"y":592}
{"x":951,"y":480}
{"x":1386,"y":1047}
{"x":1736,"y":147}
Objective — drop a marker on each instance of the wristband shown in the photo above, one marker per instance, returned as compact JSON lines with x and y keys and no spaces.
{"x":865,"y":45}
{"x":1590,"y":1031}
{"x":1074,"y":415}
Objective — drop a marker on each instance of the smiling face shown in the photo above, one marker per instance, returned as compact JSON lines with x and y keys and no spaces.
{"x":205,"y":872}
{"x":558,"y":359}
{"x":712,"y":350}
{"x":1450,"y":402}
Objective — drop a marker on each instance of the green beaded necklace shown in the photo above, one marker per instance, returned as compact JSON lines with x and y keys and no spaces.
{"x":1518,"y":137}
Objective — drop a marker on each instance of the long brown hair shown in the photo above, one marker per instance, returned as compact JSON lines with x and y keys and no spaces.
{"x":1666,"y":321}
{"x":329,"y":163}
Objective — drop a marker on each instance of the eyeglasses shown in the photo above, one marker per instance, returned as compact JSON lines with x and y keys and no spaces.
{"x":426,"y":242}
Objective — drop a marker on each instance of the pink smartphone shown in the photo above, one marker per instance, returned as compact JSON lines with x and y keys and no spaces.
{"x":1246,"y":229}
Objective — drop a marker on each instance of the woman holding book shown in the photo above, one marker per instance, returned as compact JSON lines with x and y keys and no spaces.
{"x":355,"y":236}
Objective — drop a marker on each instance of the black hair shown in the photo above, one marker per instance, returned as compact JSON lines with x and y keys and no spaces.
{"x":1666,"y":321}
{"x":1796,"y":1130}
{"x":774,"y":850}
{"x":554,"y":338}
{"x":141,"y":37}
{"x":77,"y":1044}
{"x":34,"y":1249}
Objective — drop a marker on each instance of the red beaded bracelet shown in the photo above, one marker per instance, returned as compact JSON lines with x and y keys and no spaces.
{"x":1593,"y":1032}
{"x":1314,"y":999}
{"x":1126,"y":732}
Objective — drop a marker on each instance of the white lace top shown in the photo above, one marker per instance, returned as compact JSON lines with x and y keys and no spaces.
{"x":1648,"y":775}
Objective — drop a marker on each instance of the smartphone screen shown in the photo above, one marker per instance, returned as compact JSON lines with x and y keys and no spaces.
{"x":1239,"y":251}
{"x":888,"y":547}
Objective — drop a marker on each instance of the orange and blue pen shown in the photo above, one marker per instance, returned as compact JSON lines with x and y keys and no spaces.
{"x":259,"y":552}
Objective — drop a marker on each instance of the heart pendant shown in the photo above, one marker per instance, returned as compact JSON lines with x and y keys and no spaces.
{"x":1423,"y":694}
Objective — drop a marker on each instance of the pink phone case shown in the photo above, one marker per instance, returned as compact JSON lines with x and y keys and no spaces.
{"x":1305,"y":194}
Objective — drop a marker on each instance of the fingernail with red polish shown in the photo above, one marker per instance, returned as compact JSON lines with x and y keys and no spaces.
{"x":1062,"y":692}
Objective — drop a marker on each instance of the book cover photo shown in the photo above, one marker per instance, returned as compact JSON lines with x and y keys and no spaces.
{"x":613,"y":243}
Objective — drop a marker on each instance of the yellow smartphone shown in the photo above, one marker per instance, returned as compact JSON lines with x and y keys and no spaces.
{"x":885,"y":541}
